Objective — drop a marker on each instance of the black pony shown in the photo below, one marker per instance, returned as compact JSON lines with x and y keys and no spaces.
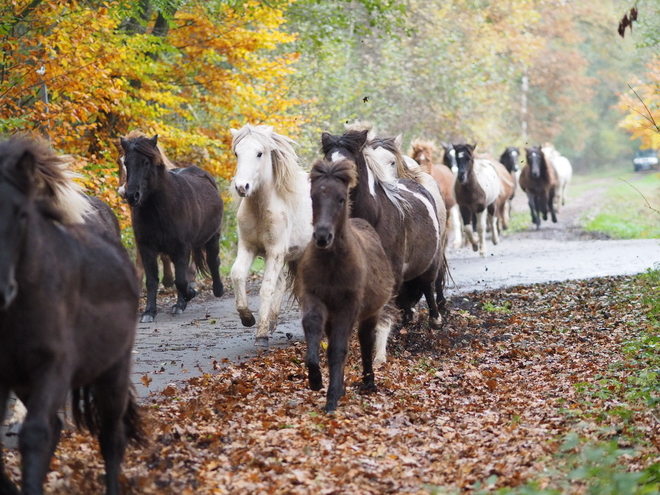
{"x":539,"y":180}
{"x":68,"y":301}
{"x":177,"y":212}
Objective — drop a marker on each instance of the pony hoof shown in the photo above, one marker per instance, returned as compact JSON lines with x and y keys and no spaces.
{"x":378,"y":360}
{"x":261,"y":342}
{"x":168,"y":282}
{"x":330,"y":409}
{"x":436,"y":323}
{"x":218,"y":291}
{"x":475,"y":247}
{"x":147,"y":318}
{"x":177,"y":310}
{"x":247,"y":318}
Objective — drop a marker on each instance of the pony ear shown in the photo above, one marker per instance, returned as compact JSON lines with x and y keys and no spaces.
{"x":154,"y":141}
{"x":398,"y":140}
{"x":124,"y":144}
{"x":364,"y":135}
{"x":233,"y":132}
{"x":326,"y":139}
{"x":474,"y":146}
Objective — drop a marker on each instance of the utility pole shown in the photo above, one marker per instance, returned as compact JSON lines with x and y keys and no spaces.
{"x":523,"y":106}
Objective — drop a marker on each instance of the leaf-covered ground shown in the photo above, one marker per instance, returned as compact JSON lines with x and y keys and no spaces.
{"x":529,"y":387}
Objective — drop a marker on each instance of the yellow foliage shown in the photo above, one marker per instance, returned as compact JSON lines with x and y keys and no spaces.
{"x":642,"y":118}
{"x":210,"y":73}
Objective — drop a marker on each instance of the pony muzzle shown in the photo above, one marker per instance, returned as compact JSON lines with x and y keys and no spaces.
{"x":133,"y":197}
{"x":243,"y":190}
{"x":323,"y":238}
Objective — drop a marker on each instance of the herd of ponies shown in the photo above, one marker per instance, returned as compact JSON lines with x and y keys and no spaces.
{"x":359,"y":239}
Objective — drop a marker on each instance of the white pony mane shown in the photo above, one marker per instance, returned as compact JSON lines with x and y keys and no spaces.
{"x":285,"y":161}
{"x":385,"y":177}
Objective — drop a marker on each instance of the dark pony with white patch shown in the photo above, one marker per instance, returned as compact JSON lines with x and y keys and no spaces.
{"x":483,"y":188}
{"x":539,"y":180}
{"x":404,"y":214}
{"x":68,"y":301}
{"x":344,"y":278}
{"x":177,"y":212}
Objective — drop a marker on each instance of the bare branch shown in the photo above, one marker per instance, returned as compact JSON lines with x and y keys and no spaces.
{"x":648,"y":205}
{"x":650,"y":117}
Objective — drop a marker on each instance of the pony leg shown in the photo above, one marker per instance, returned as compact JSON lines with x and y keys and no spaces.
{"x":150,"y":264}
{"x":239,"y":272}
{"x":367,"y":337}
{"x":185,"y":291}
{"x":494,"y":227}
{"x":456,"y":227}
{"x":41,"y":431}
{"x":383,"y":328}
{"x":272,"y":270}
{"x":435,"y":320}
{"x":212,"y":248}
{"x":314,"y":317}
{"x":481,"y":232}
{"x":111,"y":395}
{"x":531,"y":201}
{"x":168,"y":274}
{"x":551,"y":199}
{"x":467,"y":228}
{"x":338,"y":338}
{"x":6,"y":485}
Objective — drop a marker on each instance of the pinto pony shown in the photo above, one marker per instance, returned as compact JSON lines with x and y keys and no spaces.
{"x":177,"y":212}
{"x":68,"y":301}
{"x":483,"y":188}
{"x":274,"y":219}
{"x":344,"y":278}
{"x":422,"y":152}
{"x":539,"y":180}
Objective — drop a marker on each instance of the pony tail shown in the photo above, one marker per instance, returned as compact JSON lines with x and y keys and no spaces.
{"x":85,"y":414}
{"x":200,"y":262}
{"x":133,"y":424}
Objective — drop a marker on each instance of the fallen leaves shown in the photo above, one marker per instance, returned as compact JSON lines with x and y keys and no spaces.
{"x":486,"y":400}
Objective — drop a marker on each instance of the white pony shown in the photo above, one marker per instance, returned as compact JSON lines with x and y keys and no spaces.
{"x":564,"y":172}
{"x":274,"y":219}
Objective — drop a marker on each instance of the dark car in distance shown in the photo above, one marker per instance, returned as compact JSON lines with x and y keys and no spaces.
{"x":645,"y":160}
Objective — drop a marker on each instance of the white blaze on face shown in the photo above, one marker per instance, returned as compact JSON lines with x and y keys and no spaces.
{"x":252,"y":165}
{"x":122,"y":188}
{"x":422,"y":157}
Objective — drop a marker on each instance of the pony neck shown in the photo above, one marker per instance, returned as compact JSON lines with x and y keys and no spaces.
{"x":364,"y":204}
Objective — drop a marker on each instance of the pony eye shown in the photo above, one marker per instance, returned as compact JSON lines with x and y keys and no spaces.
{"x":342,"y":201}
{"x":259,"y":154}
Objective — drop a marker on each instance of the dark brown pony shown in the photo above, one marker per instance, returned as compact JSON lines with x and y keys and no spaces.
{"x":177,"y":212}
{"x":539,"y":180}
{"x":344,"y":278}
{"x":68,"y":302}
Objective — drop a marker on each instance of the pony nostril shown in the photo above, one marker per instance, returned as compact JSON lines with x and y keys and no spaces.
{"x":7,"y":296}
{"x":247,"y":187}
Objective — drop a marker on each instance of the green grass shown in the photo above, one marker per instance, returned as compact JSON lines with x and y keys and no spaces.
{"x":632,"y":209}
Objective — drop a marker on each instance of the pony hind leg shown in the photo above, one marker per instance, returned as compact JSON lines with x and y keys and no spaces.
{"x":367,"y":338}
{"x":268,"y":296}
{"x":112,"y":401}
{"x":41,"y":432}
{"x":212,"y":248}
{"x":6,"y":485}
{"x":383,"y":328}
{"x":239,"y":273}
